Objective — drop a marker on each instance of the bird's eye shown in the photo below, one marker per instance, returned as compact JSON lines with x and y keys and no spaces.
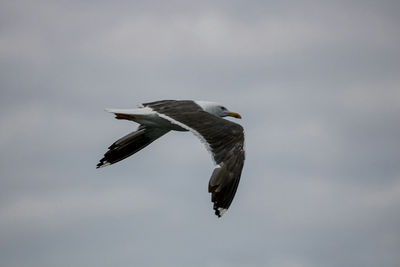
{"x":223,"y":108}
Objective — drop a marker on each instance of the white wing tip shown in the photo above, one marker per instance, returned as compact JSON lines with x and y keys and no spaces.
{"x":221,"y":211}
{"x":104,"y":164}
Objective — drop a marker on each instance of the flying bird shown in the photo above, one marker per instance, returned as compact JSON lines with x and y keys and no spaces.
{"x":224,"y":139}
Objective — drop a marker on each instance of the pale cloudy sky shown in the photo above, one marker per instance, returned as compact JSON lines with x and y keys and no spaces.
{"x":318,"y":87}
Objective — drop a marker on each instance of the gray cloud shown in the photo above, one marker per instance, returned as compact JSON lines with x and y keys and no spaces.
{"x":317,"y":85}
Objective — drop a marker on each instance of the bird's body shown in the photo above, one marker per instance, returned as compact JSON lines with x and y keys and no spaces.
{"x":223,"y":138}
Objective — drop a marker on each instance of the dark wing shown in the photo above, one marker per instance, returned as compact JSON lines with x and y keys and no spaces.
{"x":224,"y":139}
{"x":130,"y":144}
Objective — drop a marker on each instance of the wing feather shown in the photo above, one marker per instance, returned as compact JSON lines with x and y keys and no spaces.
{"x":223,"y":138}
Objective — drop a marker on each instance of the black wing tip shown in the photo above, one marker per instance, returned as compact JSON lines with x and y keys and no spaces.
{"x":218,"y":213}
{"x":219,"y":210}
{"x":103,"y":163}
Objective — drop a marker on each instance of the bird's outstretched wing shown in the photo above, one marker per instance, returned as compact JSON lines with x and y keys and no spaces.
{"x":130,"y":144}
{"x":223,"y":138}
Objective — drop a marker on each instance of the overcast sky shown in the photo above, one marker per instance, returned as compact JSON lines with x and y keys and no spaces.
{"x":316,"y":82}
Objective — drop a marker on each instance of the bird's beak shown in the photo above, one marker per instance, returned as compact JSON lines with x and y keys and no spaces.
{"x":235,"y":115}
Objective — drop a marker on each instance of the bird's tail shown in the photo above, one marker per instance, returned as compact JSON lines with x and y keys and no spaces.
{"x":130,"y":144}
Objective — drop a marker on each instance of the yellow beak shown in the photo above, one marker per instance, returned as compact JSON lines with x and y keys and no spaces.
{"x":235,"y":115}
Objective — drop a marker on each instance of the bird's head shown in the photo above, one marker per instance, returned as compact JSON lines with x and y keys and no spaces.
{"x":217,"y":109}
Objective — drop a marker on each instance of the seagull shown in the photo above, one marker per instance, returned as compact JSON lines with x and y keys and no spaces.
{"x":224,"y":139}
